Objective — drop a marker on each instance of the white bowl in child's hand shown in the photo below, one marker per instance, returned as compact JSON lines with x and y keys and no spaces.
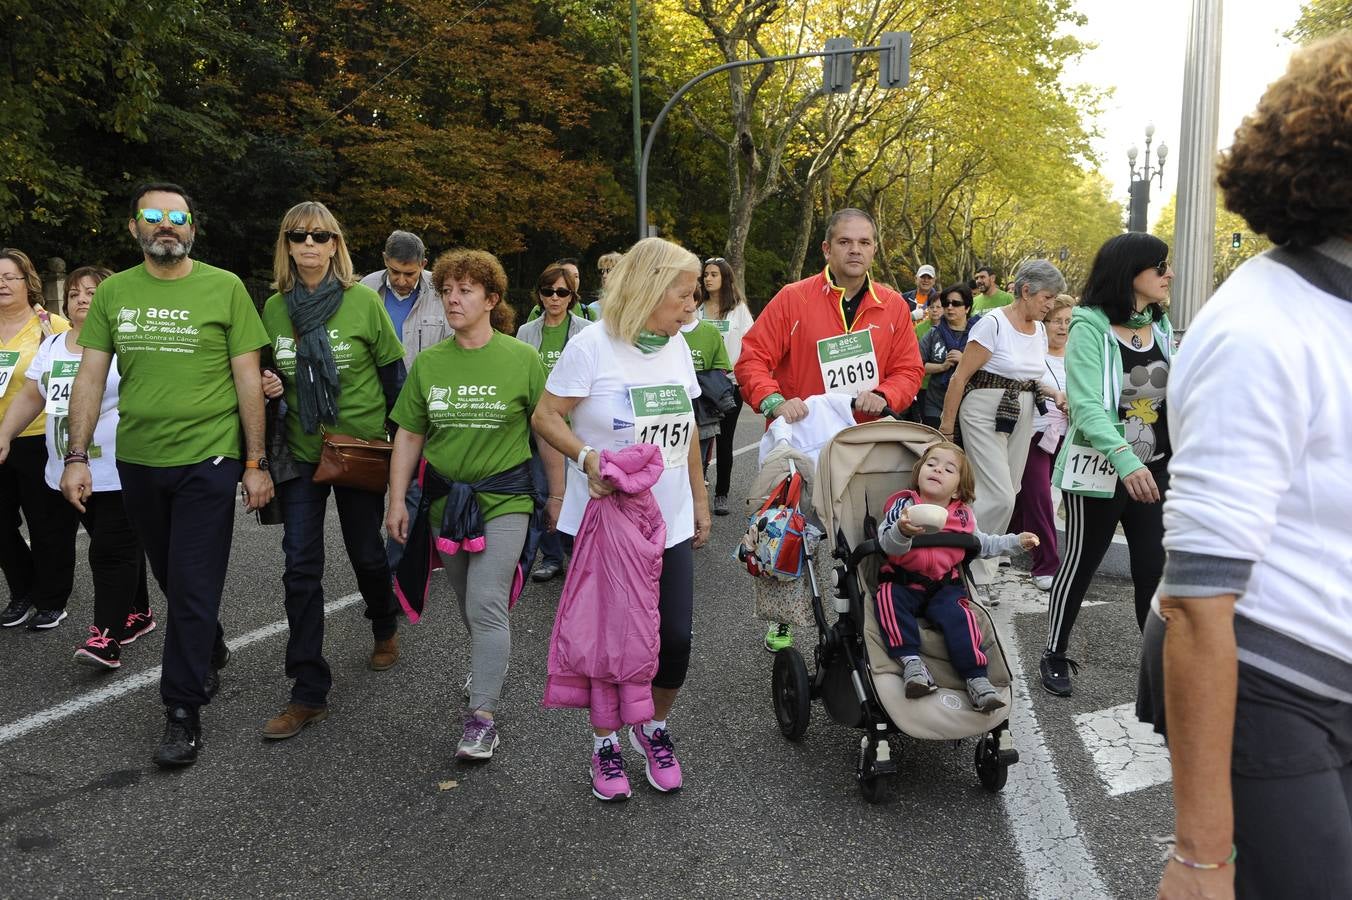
{"x":929,"y":516}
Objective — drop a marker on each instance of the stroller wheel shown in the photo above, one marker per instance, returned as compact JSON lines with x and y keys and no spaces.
{"x":792,"y":693}
{"x":991,"y":769}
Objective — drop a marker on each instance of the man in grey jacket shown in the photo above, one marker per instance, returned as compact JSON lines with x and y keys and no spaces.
{"x":412,"y":302}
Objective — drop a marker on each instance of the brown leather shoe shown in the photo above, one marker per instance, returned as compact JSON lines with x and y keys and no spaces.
{"x":385,"y":654}
{"x":290,"y":721}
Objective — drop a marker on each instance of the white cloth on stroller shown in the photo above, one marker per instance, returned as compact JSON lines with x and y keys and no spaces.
{"x":827,"y":414}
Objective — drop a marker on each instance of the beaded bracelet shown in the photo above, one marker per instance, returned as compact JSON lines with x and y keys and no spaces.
{"x":1229,"y":860}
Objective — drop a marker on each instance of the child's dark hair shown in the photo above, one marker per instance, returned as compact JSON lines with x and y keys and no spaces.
{"x":966,"y":480}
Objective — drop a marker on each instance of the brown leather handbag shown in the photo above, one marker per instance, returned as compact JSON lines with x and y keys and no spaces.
{"x":347,"y":461}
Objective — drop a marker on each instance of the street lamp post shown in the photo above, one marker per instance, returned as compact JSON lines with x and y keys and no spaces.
{"x":1141,"y":178}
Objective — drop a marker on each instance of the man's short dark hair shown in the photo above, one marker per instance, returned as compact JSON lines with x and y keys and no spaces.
{"x":849,"y":212}
{"x":166,"y":187}
{"x":405,"y":247}
{"x":985,"y":267}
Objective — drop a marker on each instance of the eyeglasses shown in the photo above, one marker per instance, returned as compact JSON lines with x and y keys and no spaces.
{"x":156,"y":216}
{"x":555,"y":292}
{"x":949,"y":304}
{"x":1162,"y":267}
{"x":299,"y":235}
{"x":12,"y":278}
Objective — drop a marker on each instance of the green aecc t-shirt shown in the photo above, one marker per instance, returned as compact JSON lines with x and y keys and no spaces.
{"x":552,"y":339}
{"x":174,"y":341}
{"x":707,"y":349}
{"x":362,"y":338}
{"x":474,"y":408}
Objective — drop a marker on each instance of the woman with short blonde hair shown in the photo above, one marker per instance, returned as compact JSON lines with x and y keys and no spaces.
{"x":630,"y":381}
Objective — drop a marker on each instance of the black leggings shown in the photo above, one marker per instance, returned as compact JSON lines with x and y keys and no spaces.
{"x":1090,"y":525}
{"x":727,"y":434}
{"x":44,"y":573}
{"x":675,"y":607}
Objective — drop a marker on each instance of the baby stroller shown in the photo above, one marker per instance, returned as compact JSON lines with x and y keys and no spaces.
{"x":858,"y":684}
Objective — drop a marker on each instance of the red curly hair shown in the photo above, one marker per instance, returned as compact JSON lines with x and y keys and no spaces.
{"x":1289,"y":171}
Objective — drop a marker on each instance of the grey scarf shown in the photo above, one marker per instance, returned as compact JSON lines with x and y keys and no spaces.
{"x":316,"y":373}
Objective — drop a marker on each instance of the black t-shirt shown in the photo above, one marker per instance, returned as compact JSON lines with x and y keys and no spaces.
{"x":851,"y":305}
{"x":1145,"y":377}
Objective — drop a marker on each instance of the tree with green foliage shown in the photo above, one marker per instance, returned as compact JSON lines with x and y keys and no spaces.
{"x":1321,"y":18}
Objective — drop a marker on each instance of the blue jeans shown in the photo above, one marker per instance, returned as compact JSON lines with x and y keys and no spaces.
{"x":555,"y":546}
{"x":360,"y":515}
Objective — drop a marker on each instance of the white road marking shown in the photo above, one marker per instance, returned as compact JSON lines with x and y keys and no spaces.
{"x":747,"y":449}
{"x":1129,"y":754}
{"x":1056,"y":861}
{"x":122,"y":686}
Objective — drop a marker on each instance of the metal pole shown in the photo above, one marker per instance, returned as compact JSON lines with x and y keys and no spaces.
{"x":680,"y":92}
{"x":1194,"y":231}
{"x":638,"y":120}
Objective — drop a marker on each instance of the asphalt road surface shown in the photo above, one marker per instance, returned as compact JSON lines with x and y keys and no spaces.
{"x":372,"y":803}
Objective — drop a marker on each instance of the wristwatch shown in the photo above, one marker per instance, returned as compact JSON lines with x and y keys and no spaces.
{"x":582,"y":457}
{"x":261,"y":464}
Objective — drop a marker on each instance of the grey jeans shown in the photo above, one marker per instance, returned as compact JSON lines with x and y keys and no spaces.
{"x":482,"y":583}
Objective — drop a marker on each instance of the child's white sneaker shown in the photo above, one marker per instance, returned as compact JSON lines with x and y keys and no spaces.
{"x":917,"y":678}
{"x":983,"y":694}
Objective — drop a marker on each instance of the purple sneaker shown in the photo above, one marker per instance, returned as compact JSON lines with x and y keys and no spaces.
{"x":479,"y":740}
{"x":659,"y":758}
{"x":609,"y":783}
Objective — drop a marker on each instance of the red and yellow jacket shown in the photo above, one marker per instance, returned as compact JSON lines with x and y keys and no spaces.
{"x":779,"y":353}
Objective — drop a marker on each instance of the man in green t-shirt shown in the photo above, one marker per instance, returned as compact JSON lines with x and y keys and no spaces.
{"x":186,"y":337}
{"x":988,"y":295}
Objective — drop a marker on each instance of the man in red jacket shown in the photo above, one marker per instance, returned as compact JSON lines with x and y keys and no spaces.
{"x":837,"y":332}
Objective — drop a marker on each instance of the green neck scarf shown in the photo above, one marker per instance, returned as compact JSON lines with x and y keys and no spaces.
{"x":1140,"y":319}
{"x":651,"y":341}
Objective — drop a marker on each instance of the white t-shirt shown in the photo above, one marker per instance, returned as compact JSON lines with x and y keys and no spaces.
{"x":1054,"y":379}
{"x":102,"y":456}
{"x":602,"y":370}
{"x":733,"y":328}
{"x":1014,"y":355}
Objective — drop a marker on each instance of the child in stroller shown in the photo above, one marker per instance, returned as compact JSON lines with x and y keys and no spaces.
{"x":927,"y":581}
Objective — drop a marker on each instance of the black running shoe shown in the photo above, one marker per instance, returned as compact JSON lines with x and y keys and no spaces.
{"x":1056,"y":669}
{"x":182,"y":739}
{"x":137,"y":624}
{"x":46,"y":619}
{"x":16,"y":613}
{"x":99,"y":650}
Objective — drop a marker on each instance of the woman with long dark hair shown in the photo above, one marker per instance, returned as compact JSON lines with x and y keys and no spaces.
{"x":1113,"y":467}
{"x":725,"y":308}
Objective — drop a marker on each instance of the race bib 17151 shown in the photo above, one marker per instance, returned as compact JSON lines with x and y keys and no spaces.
{"x":664,"y":415}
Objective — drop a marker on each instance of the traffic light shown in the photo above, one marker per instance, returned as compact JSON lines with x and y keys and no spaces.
{"x":894,"y":62}
{"x":1235,"y":241}
{"x":838,"y":69}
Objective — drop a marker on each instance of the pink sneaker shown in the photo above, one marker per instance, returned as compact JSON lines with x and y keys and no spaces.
{"x":659,"y":758}
{"x":609,"y":783}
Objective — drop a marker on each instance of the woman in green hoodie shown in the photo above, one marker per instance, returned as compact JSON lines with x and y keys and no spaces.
{"x":1113,"y":464}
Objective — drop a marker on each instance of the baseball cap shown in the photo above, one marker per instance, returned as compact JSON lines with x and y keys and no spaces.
{"x":925,"y":270}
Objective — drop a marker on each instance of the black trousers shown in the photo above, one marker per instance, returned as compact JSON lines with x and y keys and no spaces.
{"x":1090,"y":525}
{"x":675,"y":609}
{"x":44,"y":573}
{"x":117,"y":564}
{"x":727,"y":435}
{"x":185,"y":517}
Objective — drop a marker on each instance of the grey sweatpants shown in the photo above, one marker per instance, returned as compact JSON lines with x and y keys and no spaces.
{"x":482,"y":583}
{"x":997,"y":463}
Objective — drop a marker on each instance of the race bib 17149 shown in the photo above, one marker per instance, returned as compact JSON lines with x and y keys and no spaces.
{"x":1087,"y":472}
{"x":848,"y":363}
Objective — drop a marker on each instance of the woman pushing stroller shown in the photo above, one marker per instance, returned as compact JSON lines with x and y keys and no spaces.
{"x":927,"y":580}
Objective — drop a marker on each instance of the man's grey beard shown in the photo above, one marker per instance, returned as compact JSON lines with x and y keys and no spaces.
{"x":165,"y":254}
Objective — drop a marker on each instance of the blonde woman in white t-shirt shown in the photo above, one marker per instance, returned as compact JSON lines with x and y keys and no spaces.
{"x":993,"y":393}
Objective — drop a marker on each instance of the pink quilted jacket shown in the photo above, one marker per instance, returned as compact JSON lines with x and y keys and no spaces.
{"x":603,"y":652}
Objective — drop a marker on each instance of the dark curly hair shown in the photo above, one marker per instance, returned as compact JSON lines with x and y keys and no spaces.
{"x":1289,"y":171}
{"x":480,"y":267}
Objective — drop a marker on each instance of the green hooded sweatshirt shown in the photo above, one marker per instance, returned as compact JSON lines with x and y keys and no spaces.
{"x":1094,"y":387}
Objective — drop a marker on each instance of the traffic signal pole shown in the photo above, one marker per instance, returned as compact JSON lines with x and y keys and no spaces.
{"x":893,"y":72}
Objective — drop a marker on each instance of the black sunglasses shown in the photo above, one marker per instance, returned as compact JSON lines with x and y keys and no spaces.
{"x":949,"y":304}
{"x":714,"y":259}
{"x":298,"y":236}
{"x":555,"y":292}
{"x":1162,"y":267}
